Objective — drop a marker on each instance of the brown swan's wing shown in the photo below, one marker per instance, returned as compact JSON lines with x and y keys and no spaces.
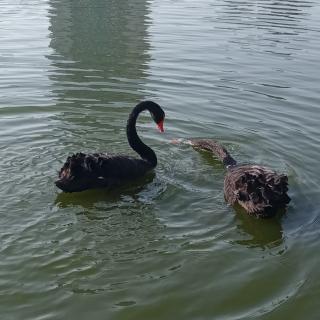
{"x":259,"y":190}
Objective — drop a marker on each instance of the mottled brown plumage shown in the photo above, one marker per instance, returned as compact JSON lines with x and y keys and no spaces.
{"x":258,"y":189}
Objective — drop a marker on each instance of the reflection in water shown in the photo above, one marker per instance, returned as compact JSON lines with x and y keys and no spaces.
{"x":132,"y":191}
{"x":100,"y":52}
{"x":263,"y":232}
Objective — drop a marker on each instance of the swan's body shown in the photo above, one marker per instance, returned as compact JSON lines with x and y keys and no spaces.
{"x":99,"y":170}
{"x":258,"y":189}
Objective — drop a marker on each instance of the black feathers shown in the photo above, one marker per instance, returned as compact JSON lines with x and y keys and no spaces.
{"x":82,"y":171}
{"x":99,"y":170}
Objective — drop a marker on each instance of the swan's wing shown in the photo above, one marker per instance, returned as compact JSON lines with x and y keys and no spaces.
{"x":83,"y":171}
{"x":256,"y":188}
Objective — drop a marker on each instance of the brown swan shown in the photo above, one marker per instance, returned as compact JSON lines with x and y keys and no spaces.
{"x":258,"y":189}
{"x":100,"y":170}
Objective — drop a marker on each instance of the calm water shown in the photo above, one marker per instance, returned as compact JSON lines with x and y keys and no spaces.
{"x":166,"y":247}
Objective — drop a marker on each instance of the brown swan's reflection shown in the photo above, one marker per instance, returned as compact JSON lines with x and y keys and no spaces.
{"x":262,"y":232}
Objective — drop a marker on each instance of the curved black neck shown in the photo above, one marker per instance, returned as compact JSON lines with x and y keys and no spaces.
{"x":145,"y":152}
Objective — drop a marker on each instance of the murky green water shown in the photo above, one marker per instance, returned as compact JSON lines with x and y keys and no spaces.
{"x":167,"y":247}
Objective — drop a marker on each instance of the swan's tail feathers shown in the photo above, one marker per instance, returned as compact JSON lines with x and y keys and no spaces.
{"x":214,"y":147}
{"x":259,"y":190}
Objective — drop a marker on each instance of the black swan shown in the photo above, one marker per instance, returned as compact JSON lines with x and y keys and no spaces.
{"x":99,"y":170}
{"x":258,"y":189}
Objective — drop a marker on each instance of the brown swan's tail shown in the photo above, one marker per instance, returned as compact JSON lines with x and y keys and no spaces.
{"x":212,"y":146}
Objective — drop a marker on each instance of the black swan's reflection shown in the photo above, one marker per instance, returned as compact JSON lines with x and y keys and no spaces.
{"x":142,"y":190}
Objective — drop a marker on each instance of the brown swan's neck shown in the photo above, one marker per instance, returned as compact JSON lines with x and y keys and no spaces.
{"x":145,"y":152}
{"x":218,"y":150}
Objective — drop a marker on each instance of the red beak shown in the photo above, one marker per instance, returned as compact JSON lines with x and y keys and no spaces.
{"x":160,"y":126}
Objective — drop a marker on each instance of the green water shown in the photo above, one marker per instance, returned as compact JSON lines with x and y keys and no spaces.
{"x":168,"y":246}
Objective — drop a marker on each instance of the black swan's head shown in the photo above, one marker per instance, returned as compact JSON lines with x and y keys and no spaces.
{"x":156,"y":112}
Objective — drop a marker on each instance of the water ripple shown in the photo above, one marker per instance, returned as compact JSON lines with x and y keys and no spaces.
{"x":245,"y":73}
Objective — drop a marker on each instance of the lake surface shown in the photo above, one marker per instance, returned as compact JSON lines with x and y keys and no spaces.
{"x":168,"y":246}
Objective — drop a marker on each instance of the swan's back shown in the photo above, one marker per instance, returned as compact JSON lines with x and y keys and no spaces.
{"x":258,"y":189}
{"x":83,"y":171}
